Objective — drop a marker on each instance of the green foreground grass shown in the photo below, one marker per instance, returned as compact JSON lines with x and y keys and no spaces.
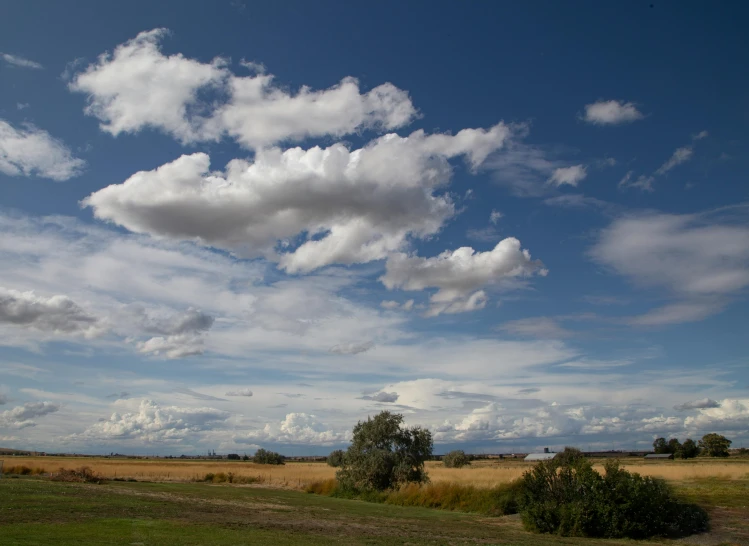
{"x":38,"y":511}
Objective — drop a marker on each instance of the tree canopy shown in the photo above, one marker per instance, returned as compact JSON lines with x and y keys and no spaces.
{"x":385,"y":454}
{"x":715,"y":445}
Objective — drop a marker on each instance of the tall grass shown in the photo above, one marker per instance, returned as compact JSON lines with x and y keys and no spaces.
{"x":493,"y":501}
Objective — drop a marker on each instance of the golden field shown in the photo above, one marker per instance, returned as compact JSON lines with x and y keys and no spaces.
{"x":485,"y":473}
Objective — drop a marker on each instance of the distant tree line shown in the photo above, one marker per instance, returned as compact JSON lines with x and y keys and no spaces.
{"x":712,"y":445}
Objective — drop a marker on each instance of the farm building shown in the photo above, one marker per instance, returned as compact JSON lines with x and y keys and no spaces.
{"x":545,"y":456}
{"x":659,"y":456}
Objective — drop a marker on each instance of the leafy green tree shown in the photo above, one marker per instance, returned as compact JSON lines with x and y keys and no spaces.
{"x":715,"y":445}
{"x":384,"y":454}
{"x":674,"y":446}
{"x":456,"y":459}
{"x":263,"y":456}
{"x":660,"y":446}
{"x":336,"y":457}
{"x":689,"y":449}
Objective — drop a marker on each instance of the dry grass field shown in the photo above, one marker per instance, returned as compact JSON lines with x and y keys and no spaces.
{"x":486,"y":473}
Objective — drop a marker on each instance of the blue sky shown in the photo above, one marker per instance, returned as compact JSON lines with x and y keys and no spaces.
{"x":230,"y":225}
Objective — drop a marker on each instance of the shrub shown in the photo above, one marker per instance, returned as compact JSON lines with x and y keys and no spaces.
{"x":566,"y":496}
{"x":335,"y":459}
{"x":385,"y":455}
{"x":83,"y":475}
{"x":23,"y":470}
{"x":233,"y":457}
{"x":263,"y":456}
{"x":456,"y":459}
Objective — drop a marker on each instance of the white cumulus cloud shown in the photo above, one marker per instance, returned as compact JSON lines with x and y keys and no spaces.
{"x":611,"y":112}
{"x":337,"y":205}
{"x":137,"y":86}
{"x":22,"y":416}
{"x":31,"y":151}
{"x":153,"y":422}
{"x":297,"y":428}
{"x":568,"y":175}
{"x":459,"y":275}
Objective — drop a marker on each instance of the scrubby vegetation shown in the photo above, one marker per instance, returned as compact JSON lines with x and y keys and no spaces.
{"x":23,"y":470}
{"x":566,"y":496}
{"x":495,"y":501}
{"x":230,"y":477}
{"x":456,"y":459}
{"x":83,"y":475}
{"x":263,"y":456}
{"x":335,"y":459}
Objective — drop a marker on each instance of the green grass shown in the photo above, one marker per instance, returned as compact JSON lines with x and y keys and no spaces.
{"x":38,"y":511}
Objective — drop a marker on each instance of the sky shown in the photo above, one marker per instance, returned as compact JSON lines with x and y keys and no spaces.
{"x":230,"y":225}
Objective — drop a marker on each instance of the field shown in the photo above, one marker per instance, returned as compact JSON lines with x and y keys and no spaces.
{"x":34,"y":510}
{"x":485,"y":473}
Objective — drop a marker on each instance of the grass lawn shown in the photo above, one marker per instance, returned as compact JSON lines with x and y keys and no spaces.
{"x":38,"y":511}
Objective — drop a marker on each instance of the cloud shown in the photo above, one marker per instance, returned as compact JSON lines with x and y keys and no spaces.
{"x":137,"y":86}
{"x":22,"y":105}
{"x":239,"y":392}
{"x":495,"y":216}
{"x":529,"y":390}
{"x":328,"y":205}
{"x":3,"y":399}
{"x":539,"y":327}
{"x":701,"y":260}
{"x":199,"y":395}
{"x":611,"y":112}
{"x":259,"y":113}
{"x":152,"y":422}
{"x":58,"y":314}
{"x":392,"y":305}
{"x":568,"y":175}
{"x":15,"y":60}
{"x":181,"y":334}
{"x":382,"y":396}
{"x":296,"y":428}
{"x":118,"y":395}
{"x":352,"y":348}
{"x":702,"y":403}
{"x":730,"y":414}
{"x":459,"y":275}
{"x":577,"y":200}
{"x":34,"y":152}
{"x":681,"y":155}
{"x":22,"y":416}
{"x":642,"y":182}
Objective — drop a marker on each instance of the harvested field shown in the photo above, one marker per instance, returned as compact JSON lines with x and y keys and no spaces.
{"x":487,"y":473}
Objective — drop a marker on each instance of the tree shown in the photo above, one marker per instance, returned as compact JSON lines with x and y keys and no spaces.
{"x":233,"y":457}
{"x":335,"y":459}
{"x":674,"y":446}
{"x":384,"y":454}
{"x":715,"y":445}
{"x":456,"y":459}
{"x":263,"y":456}
{"x":660,"y":446}
{"x":689,"y":449}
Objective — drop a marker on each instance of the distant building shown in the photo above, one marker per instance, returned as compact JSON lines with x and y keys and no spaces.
{"x":659,"y":456}
{"x":545,"y":456}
